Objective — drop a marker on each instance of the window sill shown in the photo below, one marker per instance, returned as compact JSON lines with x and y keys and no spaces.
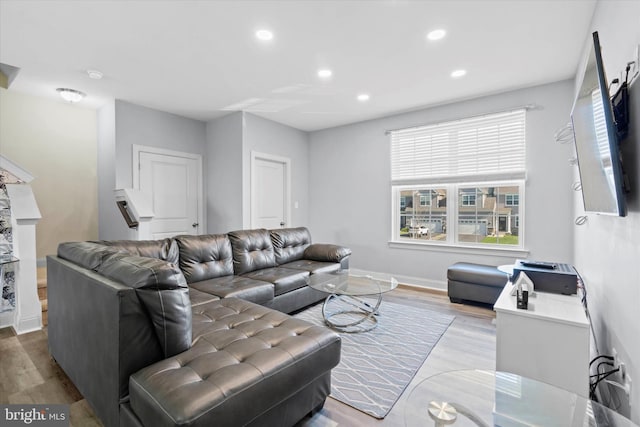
{"x":461,"y":249}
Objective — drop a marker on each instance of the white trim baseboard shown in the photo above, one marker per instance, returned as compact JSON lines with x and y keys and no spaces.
{"x":417,"y":282}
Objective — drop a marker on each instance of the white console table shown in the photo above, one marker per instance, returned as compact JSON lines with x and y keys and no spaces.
{"x":549,"y":342}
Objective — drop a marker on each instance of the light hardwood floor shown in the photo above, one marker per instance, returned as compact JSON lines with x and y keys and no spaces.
{"x":29,"y":375}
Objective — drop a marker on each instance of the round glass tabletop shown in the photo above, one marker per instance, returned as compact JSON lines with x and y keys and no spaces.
{"x":489,"y":398}
{"x":344,"y":283}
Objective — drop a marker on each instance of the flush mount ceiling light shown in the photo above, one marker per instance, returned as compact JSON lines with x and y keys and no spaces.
{"x":436,"y":34}
{"x":94,"y":74}
{"x":363,"y":97}
{"x":325,"y":73}
{"x":264,"y":35}
{"x":458,"y":73}
{"x":70,"y":95}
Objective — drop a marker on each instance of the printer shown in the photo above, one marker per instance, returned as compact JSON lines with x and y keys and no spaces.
{"x":550,"y":277}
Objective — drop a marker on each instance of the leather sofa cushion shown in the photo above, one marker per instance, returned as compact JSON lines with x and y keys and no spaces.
{"x":198,"y":297}
{"x":289,"y":243}
{"x":252,"y":250}
{"x":246,"y":288}
{"x":205,"y":257}
{"x":163,"y":291}
{"x":313,"y":267}
{"x":283,"y":279}
{"x":85,"y":254}
{"x":165,"y":249}
{"x":250,"y":359}
{"x":326,"y":252}
{"x":141,"y":272}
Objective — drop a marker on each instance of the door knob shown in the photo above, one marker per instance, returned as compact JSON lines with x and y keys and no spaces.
{"x":282,"y":224}
{"x":195,"y":225}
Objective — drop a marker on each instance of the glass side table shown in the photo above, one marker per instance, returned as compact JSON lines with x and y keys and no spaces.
{"x":490,"y":398}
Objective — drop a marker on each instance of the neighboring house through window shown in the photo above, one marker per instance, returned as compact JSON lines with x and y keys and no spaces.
{"x":468,"y":199}
{"x":511,"y":199}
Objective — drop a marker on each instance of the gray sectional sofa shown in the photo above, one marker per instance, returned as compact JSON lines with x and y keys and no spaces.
{"x":192,"y":330}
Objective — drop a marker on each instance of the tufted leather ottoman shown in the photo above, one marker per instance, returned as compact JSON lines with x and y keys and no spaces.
{"x":247,"y":364}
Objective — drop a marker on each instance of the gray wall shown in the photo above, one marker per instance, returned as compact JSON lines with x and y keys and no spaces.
{"x":265,"y":136}
{"x":351,"y":191}
{"x":607,"y":249}
{"x":122,"y":125}
{"x":224,"y":169}
{"x":144,"y":126}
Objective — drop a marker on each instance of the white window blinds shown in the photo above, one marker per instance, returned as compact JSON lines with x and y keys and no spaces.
{"x":485,"y":147}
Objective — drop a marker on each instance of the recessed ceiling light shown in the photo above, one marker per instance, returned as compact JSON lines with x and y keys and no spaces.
{"x":325,"y":73}
{"x":94,"y":74}
{"x":436,"y":34}
{"x":458,"y":73}
{"x":363,"y":97}
{"x":264,"y":35}
{"x":70,"y":95}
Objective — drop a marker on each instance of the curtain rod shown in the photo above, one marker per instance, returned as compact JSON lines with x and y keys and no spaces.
{"x":522,"y":107}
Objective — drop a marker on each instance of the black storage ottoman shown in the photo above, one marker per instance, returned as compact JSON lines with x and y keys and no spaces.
{"x":475,"y":282}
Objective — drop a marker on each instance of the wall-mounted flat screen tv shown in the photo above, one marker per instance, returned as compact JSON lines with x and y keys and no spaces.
{"x":596,"y":142}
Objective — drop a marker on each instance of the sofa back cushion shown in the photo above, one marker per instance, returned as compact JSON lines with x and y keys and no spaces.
{"x":163,"y":290}
{"x":165,"y":249}
{"x":289,"y":243}
{"x":205,"y":257}
{"x":85,"y":254}
{"x":252,"y":250}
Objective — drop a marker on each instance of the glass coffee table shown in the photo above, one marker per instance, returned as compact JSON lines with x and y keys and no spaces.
{"x":490,"y":398}
{"x":345,"y":309}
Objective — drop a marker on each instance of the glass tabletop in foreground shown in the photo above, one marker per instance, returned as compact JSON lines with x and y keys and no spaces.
{"x":489,"y":398}
{"x":344,"y":283}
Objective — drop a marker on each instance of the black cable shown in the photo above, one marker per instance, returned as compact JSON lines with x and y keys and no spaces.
{"x":603,"y":363}
{"x":602,"y":356}
{"x":583,"y":287}
{"x":598,"y":373}
{"x":594,"y":384}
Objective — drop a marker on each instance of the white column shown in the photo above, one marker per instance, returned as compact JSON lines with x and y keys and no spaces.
{"x":24,"y":217}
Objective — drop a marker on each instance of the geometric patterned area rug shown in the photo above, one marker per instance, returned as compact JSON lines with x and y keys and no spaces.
{"x":376,"y":366}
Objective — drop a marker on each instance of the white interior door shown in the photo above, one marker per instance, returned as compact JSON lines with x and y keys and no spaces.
{"x":174,"y":184}
{"x":269,"y":191}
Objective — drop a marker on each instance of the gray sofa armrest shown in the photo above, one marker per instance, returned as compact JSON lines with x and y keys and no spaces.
{"x":326,"y":252}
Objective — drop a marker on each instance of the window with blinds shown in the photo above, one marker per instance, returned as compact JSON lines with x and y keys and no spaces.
{"x":485,"y":147}
{"x":461,"y":182}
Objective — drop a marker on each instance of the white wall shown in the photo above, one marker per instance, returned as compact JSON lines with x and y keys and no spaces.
{"x":224,"y":171}
{"x":265,"y":136}
{"x":607,"y":249}
{"x":351,"y":192}
{"x":135,"y":124}
{"x":55,"y":142}
{"x":110,"y":223}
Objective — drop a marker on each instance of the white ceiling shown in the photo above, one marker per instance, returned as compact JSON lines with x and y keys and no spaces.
{"x":196,"y":58}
